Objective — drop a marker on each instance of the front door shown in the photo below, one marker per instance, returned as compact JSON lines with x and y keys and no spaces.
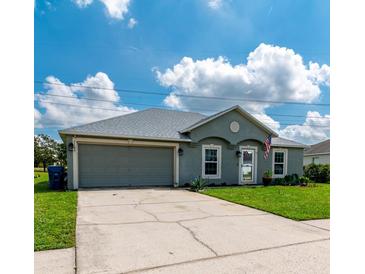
{"x":248,"y":166}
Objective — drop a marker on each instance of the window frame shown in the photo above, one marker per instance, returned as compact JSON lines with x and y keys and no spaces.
{"x":219,"y":161}
{"x":285,"y":163}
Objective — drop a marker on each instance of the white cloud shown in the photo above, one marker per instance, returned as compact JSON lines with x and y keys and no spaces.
{"x":320,"y":75}
{"x":271,"y":73}
{"x":270,"y":122}
{"x":115,"y":9}
{"x":57,"y":110}
{"x":316,"y":128}
{"x":37,"y":118}
{"x":102,"y":87}
{"x":215,"y":4}
{"x":132,"y":23}
{"x":82,"y":3}
{"x":173,"y":101}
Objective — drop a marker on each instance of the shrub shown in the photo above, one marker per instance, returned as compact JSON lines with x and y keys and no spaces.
{"x":304,"y":181}
{"x":268,"y":174}
{"x":279,"y":181}
{"x":198,"y":184}
{"x":317,"y":173}
{"x":291,"y":180}
{"x":288,"y":180}
{"x":325,"y":174}
{"x":296,"y":178}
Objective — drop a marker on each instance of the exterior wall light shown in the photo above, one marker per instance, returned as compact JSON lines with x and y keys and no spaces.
{"x":238,"y":153}
{"x":70,"y":146}
{"x":180,"y":152}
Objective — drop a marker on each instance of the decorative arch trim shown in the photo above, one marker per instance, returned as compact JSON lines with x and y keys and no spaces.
{"x":215,"y":137}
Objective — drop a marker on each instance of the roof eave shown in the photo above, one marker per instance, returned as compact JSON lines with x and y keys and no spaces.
{"x":293,"y":146}
{"x":314,"y":154}
{"x":122,"y":136}
{"x":62,"y":135}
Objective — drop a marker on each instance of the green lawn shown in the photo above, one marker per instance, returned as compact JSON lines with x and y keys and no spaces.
{"x":54,"y":216}
{"x":294,"y":202}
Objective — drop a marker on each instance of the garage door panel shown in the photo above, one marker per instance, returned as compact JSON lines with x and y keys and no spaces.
{"x":106,"y":165}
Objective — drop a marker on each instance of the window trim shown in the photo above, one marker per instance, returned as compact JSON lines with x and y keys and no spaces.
{"x":219,"y":161}
{"x":285,"y":151}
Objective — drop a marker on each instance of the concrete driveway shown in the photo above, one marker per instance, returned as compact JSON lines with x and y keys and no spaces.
{"x":177,"y":231}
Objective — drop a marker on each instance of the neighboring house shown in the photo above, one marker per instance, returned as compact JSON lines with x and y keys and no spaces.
{"x":158,"y":147}
{"x":317,"y":153}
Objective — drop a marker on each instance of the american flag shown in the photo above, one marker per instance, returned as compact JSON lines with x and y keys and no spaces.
{"x":267,"y":145}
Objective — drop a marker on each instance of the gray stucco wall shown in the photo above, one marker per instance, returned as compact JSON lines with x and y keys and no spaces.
{"x":217,"y":132}
{"x":191,"y":161}
{"x":295,"y":161}
{"x":219,"y":127}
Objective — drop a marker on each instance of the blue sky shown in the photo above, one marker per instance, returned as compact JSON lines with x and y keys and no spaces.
{"x":74,"y":42}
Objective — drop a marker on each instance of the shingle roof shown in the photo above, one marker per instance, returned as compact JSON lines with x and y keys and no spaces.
{"x":150,"y":123}
{"x":278,"y":141}
{"x":154,"y":124}
{"x":322,"y":147}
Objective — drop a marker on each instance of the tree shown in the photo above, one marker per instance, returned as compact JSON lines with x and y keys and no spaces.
{"x":61,"y":154}
{"x":45,"y":150}
{"x":37,"y":152}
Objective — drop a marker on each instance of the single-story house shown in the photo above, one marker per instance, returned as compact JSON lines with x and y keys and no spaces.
{"x":159,"y":147}
{"x":317,"y":153}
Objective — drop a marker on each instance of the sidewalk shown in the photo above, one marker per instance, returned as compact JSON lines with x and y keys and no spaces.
{"x":58,"y":261}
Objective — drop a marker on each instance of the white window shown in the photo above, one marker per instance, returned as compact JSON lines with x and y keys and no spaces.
{"x":211,"y":162}
{"x":279,"y":162}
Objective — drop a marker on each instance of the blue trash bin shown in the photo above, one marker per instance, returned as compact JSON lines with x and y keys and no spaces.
{"x":56,"y":177}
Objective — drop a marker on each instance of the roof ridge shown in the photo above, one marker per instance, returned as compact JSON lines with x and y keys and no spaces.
{"x":321,"y":142}
{"x":178,"y":110}
{"x":287,"y":139}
